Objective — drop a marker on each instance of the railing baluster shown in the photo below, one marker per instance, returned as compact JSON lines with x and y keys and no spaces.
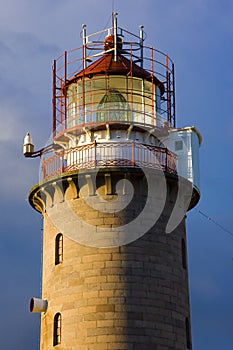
{"x":133,"y":154}
{"x":95,"y":153}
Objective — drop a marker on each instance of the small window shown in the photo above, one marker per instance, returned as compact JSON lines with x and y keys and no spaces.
{"x":59,"y":249}
{"x":57,"y":329}
{"x":178,"y":145}
{"x":188,"y":335}
{"x":184,"y":254}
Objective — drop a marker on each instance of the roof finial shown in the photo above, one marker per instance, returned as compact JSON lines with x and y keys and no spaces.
{"x":114,"y":19}
{"x":84,"y":35}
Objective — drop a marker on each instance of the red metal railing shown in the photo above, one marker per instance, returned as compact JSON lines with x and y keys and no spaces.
{"x":109,"y":154}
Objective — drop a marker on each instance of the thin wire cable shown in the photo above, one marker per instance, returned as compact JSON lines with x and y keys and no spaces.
{"x":215,"y":222}
{"x":106,"y":25}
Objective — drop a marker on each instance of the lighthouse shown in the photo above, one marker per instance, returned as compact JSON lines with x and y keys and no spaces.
{"x":116,"y":181}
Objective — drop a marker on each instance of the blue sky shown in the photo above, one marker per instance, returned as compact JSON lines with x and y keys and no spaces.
{"x":198,"y":35}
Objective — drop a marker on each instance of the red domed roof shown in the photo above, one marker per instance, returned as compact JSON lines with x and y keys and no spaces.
{"x":106,"y":65}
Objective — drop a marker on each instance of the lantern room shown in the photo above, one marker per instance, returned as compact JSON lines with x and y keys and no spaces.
{"x":113,"y":91}
{"x":120,"y":81}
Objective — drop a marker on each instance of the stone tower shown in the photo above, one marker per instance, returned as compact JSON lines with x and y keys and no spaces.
{"x":116,"y":182}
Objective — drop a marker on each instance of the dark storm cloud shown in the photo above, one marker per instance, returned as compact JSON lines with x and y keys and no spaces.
{"x":19,"y":271}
